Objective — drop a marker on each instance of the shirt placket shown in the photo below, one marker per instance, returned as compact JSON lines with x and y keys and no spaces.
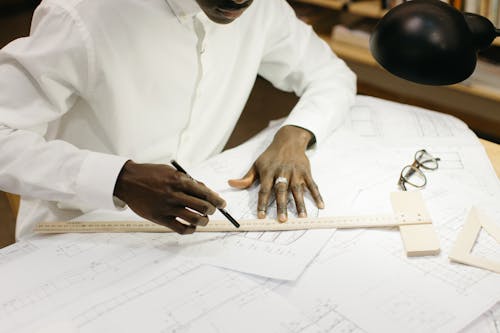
{"x":186,"y":137}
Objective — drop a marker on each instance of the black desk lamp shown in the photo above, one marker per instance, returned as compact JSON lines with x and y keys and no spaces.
{"x":430,"y":42}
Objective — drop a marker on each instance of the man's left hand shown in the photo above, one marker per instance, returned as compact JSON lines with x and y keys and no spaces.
{"x":283,"y":167}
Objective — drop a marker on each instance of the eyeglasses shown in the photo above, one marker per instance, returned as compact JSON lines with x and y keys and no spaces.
{"x":412,"y":175}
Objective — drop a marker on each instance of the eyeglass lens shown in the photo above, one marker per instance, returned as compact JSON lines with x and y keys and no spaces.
{"x":426,"y":160}
{"x":413,"y":176}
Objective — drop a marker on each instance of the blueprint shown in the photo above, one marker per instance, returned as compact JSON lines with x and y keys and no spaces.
{"x":108,"y":282}
{"x":489,"y":322}
{"x":389,"y":292}
{"x":280,"y":255}
{"x":314,"y":281}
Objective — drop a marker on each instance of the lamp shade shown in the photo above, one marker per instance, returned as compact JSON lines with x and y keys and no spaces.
{"x":430,"y":42}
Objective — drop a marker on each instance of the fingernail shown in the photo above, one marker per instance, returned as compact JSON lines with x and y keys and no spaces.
{"x":302,"y":214}
{"x":261,"y":214}
{"x":321,"y":205}
{"x":282,"y":218}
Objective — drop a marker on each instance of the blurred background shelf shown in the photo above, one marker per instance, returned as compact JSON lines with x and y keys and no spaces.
{"x":332,"y":4}
{"x":368,"y":8}
{"x":358,"y":54}
{"x":477,"y":104}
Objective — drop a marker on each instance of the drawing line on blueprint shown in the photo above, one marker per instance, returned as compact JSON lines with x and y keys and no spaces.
{"x":87,"y":316}
{"x":89,"y":272}
{"x":458,"y":276}
{"x":341,"y":242}
{"x":190,"y":309}
{"x":368,"y":186}
{"x":431,"y":126}
{"x":495,"y":317}
{"x":90,"y":242}
{"x":16,"y":251}
{"x":449,"y":160}
{"x":276,"y":237}
{"x":324,"y":313}
{"x":189,"y":306}
{"x":363,"y":121}
{"x":416,"y":313}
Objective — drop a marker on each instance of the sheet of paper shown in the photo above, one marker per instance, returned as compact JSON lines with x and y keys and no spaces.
{"x":280,"y":255}
{"x":487,"y":323}
{"x":16,"y":251}
{"x":99,"y":283}
{"x":364,"y":276}
{"x":395,"y":124}
{"x":389,"y":292}
{"x":359,"y":281}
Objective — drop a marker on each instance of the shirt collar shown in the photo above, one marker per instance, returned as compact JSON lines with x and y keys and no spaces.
{"x":184,"y":9}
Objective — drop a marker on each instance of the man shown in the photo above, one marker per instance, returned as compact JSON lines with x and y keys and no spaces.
{"x":104,"y":93}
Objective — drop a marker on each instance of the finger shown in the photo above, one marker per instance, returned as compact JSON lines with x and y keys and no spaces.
{"x":201,"y":191}
{"x":185,"y":200}
{"x":246,"y":181}
{"x":180,"y":228}
{"x":314,"y":190}
{"x":190,"y":217}
{"x":281,"y":192}
{"x":266,"y":186}
{"x":298,"y":196}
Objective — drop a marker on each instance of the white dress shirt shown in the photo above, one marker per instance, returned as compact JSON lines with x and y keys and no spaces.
{"x":99,"y":82}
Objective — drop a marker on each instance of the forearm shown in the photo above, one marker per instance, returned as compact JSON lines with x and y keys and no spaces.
{"x":56,"y":170}
{"x":298,"y":60}
{"x":328,"y":89}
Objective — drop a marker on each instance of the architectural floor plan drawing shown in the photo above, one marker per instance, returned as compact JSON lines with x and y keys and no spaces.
{"x":101,"y":285}
{"x":355,"y":280}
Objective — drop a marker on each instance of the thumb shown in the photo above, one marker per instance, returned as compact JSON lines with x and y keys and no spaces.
{"x":246,"y":181}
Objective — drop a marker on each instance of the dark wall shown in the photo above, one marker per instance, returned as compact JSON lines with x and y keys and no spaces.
{"x":15,"y":19}
{"x":7,"y":7}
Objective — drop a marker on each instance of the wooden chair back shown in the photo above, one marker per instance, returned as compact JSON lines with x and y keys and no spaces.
{"x":14,"y":203}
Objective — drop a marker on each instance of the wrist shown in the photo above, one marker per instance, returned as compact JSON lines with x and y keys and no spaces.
{"x":121,"y":181}
{"x":294,"y":135}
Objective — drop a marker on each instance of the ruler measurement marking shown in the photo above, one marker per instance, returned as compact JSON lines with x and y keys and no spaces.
{"x":368,"y":221}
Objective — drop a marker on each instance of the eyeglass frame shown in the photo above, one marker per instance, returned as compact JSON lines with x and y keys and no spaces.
{"x":415,"y":166}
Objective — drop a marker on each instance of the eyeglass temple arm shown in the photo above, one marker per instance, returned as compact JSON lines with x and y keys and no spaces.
{"x":401,"y":183}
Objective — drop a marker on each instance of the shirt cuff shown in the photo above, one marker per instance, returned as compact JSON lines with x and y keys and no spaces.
{"x":97,"y":178}
{"x":319,"y":121}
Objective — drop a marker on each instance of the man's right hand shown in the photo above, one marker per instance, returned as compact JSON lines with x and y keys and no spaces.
{"x":163,"y":195}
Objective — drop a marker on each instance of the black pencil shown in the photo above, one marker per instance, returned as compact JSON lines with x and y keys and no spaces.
{"x":222,"y":210}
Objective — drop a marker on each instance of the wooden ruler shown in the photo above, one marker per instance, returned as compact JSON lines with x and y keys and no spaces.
{"x":340,"y":222}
